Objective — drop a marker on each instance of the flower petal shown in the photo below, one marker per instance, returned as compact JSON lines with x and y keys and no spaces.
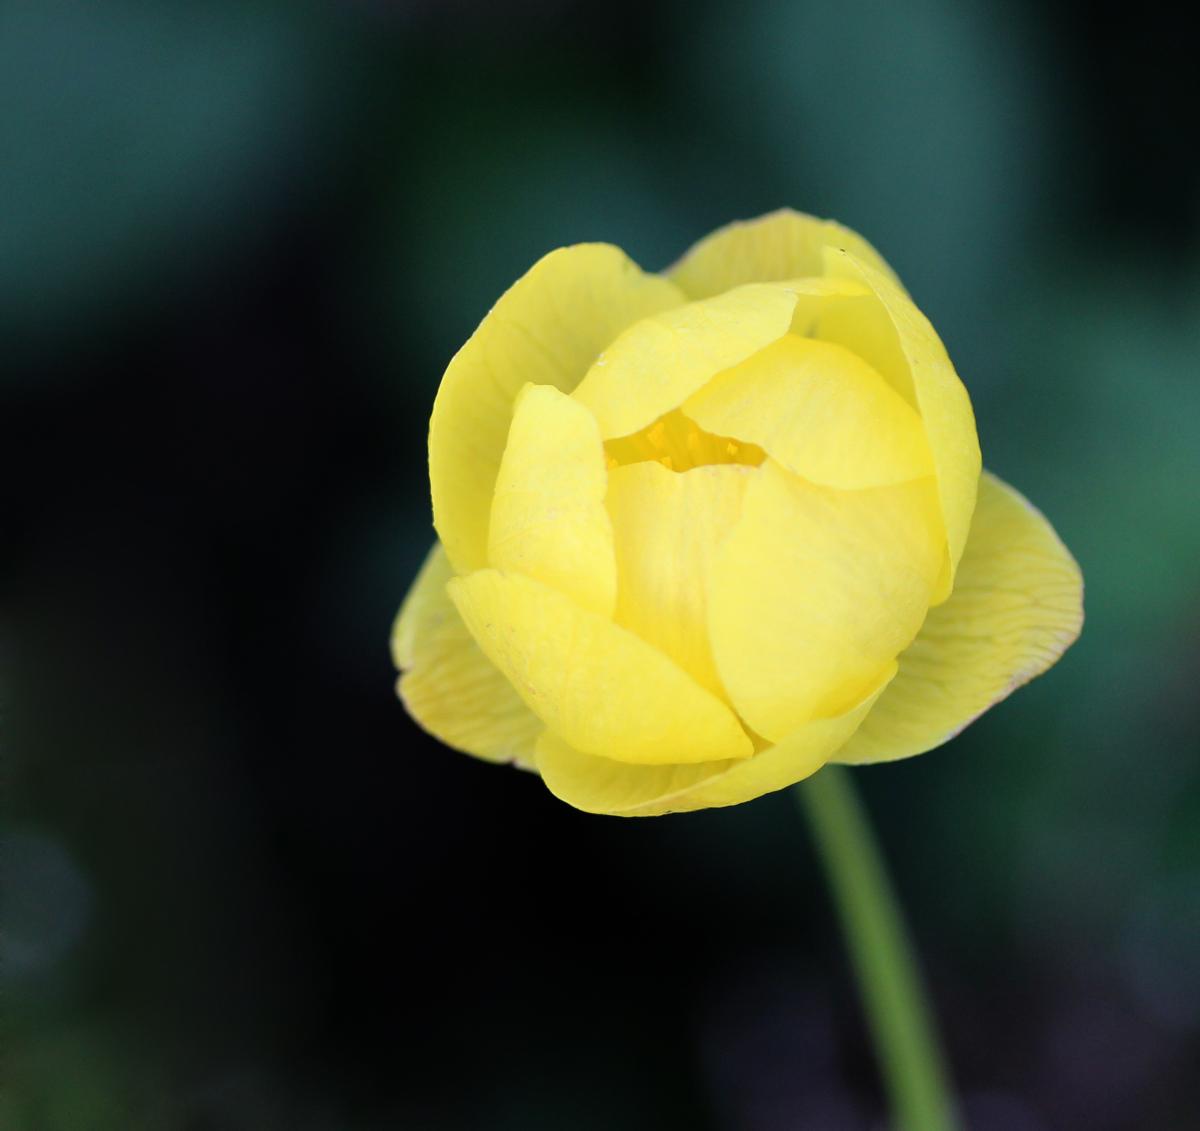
{"x":667,"y":526}
{"x":816,"y":591}
{"x":602,"y":688}
{"x":657,"y":363}
{"x":447,"y":684}
{"x":1016,"y":607}
{"x":601,"y":785}
{"x":819,"y":410}
{"x":781,"y":245}
{"x":548,"y":516}
{"x":897,"y":339}
{"x":547,"y":328}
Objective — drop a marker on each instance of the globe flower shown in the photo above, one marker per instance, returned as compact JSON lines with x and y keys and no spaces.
{"x":701,"y":533}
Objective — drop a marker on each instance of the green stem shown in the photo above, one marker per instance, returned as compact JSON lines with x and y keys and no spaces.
{"x":882,"y":955}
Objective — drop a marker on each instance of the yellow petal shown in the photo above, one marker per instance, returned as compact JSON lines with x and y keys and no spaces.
{"x":908,"y":352}
{"x":660,"y":361}
{"x":599,"y":686}
{"x":548,"y":516}
{"x":667,"y":526}
{"x":815,"y":592}
{"x":780,"y":245}
{"x":547,"y":329}
{"x":819,"y":410}
{"x":1016,"y":607}
{"x":601,"y":785}
{"x":448,"y":685}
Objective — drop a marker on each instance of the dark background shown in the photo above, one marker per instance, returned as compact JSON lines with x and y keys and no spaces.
{"x":238,"y":243}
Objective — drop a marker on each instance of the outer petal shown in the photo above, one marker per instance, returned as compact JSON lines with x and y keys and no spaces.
{"x":548,"y":515}
{"x":668,"y":526}
{"x":780,"y":245}
{"x":656,"y":364}
{"x":1016,"y":607}
{"x":816,"y":592}
{"x":547,"y":329}
{"x":602,"y":688}
{"x":821,"y":411}
{"x":601,"y":785}
{"x":898,"y":340}
{"x":448,"y":685}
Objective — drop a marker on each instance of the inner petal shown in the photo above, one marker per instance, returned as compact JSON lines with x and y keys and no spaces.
{"x":657,"y":363}
{"x":821,"y":411}
{"x":816,"y":591}
{"x":599,"y":687}
{"x":548,"y":518}
{"x":667,"y":528}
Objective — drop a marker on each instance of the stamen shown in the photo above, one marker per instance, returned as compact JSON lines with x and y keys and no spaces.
{"x":679,"y":444}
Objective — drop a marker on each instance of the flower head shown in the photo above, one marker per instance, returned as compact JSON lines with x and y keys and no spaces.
{"x":703,"y":532}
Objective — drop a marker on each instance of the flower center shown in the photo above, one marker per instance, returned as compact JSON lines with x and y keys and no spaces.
{"x":679,"y":444}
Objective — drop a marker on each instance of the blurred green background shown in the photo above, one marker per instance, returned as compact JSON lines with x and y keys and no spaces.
{"x":238,"y":243}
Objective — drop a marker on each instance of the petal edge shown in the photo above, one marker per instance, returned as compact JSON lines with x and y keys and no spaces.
{"x":784,"y":244}
{"x":604,"y":689}
{"x":994,"y":634}
{"x":447,"y":685}
{"x":546,"y":329}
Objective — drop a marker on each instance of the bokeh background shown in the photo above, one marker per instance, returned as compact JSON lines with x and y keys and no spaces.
{"x":238,"y":244}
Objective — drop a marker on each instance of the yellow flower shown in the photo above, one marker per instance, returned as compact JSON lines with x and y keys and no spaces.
{"x":703,"y":532}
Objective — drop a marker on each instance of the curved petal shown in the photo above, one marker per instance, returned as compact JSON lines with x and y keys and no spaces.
{"x":548,"y":516}
{"x":1016,"y":607}
{"x":656,"y":364}
{"x":601,"y":785}
{"x":815,"y":593}
{"x":602,"y":688}
{"x":781,"y":245}
{"x":547,"y":329}
{"x":667,"y":526}
{"x":821,"y":411}
{"x":897,"y":339}
{"x":447,"y":684}
{"x":604,"y":785}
